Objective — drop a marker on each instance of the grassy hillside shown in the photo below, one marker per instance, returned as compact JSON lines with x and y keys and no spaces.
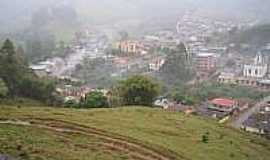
{"x":122,"y":133}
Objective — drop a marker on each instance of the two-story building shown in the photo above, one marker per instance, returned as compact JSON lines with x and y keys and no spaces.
{"x":156,"y":64}
{"x":133,"y":47}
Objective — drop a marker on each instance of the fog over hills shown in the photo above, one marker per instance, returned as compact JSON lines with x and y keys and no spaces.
{"x":13,"y":12}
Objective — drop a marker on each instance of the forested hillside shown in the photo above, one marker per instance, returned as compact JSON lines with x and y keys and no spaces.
{"x":17,"y":80}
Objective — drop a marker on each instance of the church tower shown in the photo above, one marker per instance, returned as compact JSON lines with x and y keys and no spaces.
{"x":259,"y":59}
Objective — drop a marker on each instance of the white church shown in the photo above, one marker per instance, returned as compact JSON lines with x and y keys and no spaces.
{"x":258,"y":69}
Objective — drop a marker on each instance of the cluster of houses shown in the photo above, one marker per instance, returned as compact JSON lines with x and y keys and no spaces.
{"x":259,"y":123}
{"x":160,"y":39}
{"x":87,"y":43}
{"x":205,"y":57}
{"x":222,"y":107}
{"x":47,"y":67}
{"x":195,"y":27}
{"x":217,"y":108}
{"x":195,"y":31}
{"x":141,"y":57}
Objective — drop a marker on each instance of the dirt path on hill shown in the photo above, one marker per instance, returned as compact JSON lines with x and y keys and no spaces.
{"x":113,"y":142}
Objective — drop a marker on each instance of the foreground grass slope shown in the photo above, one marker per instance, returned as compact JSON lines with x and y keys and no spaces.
{"x":122,"y":133}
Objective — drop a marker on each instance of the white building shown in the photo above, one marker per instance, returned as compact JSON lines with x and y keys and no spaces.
{"x":164,"y":103}
{"x":156,"y":64}
{"x":256,"y":70}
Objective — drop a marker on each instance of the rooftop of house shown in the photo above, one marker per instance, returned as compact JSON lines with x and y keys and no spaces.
{"x":205,"y":55}
{"x":223,"y":102}
{"x":38,"y":67}
{"x":118,"y":60}
{"x":264,"y":81}
{"x":227,"y":75}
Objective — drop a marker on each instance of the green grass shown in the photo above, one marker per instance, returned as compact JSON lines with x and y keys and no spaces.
{"x":20,"y":101}
{"x":31,"y":143}
{"x":163,"y":131}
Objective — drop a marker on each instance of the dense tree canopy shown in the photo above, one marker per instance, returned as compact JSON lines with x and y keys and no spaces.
{"x":177,"y":67}
{"x":138,"y":90}
{"x":19,"y":79}
{"x":10,"y":64}
{"x":95,"y":100}
{"x":3,"y":89}
{"x":95,"y":71}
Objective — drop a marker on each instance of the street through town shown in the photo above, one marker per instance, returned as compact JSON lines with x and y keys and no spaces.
{"x":237,"y":122}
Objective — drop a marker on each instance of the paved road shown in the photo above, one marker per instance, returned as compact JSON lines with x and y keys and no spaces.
{"x":237,"y":123}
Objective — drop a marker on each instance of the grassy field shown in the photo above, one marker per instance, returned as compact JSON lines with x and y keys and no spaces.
{"x":122,"y":133}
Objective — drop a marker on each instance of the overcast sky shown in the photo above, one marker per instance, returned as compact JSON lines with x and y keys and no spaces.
{"x":15,"y":9}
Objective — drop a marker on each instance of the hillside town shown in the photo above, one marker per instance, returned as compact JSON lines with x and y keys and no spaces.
{"x":138,"y":80}
{"x":147,"y":54}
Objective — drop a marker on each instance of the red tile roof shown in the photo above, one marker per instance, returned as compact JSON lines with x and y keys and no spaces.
{"x":223,"y":102}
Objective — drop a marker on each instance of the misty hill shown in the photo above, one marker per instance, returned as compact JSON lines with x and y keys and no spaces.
{"x":20,"y":11}
{"x":242,"y":8}
{"x":155,"y":8}
{"x":17,"y":15}
{"x":63,"y":17}
{"x":17,"y":12}
{"x":255,"y":36}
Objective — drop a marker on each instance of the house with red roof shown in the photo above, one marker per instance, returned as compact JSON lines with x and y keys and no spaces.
{"x":223,"y":104}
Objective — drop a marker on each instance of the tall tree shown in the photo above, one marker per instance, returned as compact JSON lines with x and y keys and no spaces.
{"x":176,"y":69}
{"x":8,"y":47}
{"x":138,"y":90}
{"x":19,"y":79}
{"x":9,"y":70}
{"x":3,"y":89}
{"x":20,"y":56}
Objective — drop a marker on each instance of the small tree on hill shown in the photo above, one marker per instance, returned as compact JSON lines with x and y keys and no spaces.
{"x":71,"y":103}
{"x":138,"y":90}
{"x":3,"y":89}
{"x":8,"y":48}
{"x":205,"y":137}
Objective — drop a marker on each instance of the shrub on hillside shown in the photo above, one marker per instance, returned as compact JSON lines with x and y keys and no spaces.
{"x":95,"y":100}
{"x":71,"y":103}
